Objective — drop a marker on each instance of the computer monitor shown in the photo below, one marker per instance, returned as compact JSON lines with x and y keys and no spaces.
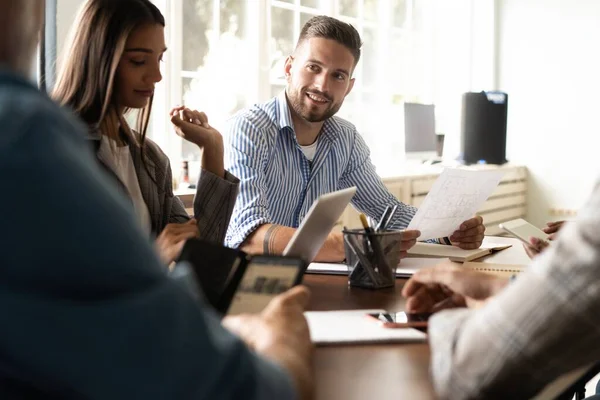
{"x":420,"y":140}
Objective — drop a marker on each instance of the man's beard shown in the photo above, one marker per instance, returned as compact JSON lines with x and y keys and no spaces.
{"x":300,"y":108}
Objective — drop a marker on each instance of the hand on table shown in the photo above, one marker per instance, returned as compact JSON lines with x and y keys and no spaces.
{"x":281,"y":334}
{"x":447,"y":285}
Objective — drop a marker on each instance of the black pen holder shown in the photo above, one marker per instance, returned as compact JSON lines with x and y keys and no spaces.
{"x":372,"y":258}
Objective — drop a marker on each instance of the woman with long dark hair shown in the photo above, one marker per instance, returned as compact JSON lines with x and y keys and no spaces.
{"x":111,"y":68}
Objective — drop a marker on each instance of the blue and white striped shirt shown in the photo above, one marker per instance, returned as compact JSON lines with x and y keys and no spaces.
{"x":278,"y":184}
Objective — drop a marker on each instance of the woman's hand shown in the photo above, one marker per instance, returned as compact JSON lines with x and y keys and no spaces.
{"x":171,"y":240}
{"x":193,"y":126}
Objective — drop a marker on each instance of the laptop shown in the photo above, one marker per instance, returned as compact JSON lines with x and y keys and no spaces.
{"x":319,"y":221}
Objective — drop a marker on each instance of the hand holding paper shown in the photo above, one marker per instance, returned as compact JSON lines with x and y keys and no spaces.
{"x":470,"y":234}
{"x":453,"y":199}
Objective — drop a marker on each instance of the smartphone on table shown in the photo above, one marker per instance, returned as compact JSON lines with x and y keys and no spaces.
{"x":523,"y":230}
{"x":401,"y":319}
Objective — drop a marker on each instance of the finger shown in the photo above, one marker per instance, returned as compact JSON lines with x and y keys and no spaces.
{"x":444,"y":273}
{"x":410,"y":235}
{"x":298,"y":296}
{"x":179,"y":238}
{"x":188,"y":115}
{"x":173,"y":250}
{"x":177,"y":229}
{"x":177,"y":120}
{"x":425,"y":299}
{"x":175,"y":110}
{"x":406,"y":245}
{"x":419,"y":304}
{"x":535,"y":242}
{"x":192,"y":221}
{"x":182,"y":125}
{"x":468,"y":235}
{"x":531,"y":252}
{"x":239,"y":324}
{"x":411,"y":287}
{"x":202,"y":118}
{"x":439,"y":292}
{"x":450,"y":302}
{"x":471,"y":223}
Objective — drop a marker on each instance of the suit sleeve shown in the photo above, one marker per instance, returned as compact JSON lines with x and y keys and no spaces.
{"x":246,"y":153}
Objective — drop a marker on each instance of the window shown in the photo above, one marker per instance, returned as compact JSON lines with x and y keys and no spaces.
{"x":225,"y":55}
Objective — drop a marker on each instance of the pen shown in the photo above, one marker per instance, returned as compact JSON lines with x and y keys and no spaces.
{"x":378,"y":255}
{"x":361,"y":261}
{"x":384,"y":216}
{"x":389,"y":218}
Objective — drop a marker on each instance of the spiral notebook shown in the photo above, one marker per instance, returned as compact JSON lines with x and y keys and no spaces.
{"x":496,"y":269}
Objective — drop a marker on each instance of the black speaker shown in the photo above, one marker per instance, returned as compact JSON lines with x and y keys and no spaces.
{"x":483,"y":127}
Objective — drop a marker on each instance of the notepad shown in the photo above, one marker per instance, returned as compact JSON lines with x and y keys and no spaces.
{"x":354,"y":327}
{"x":496,"y":269}
{"x":454,"y":253}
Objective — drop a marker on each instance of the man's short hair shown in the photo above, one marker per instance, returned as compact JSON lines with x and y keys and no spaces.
{"x":325,"y":27}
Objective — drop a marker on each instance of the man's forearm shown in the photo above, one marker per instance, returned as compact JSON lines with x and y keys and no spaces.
{"x":272,"y":239}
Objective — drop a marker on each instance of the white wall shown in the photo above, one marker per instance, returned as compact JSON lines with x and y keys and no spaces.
{"x":549,"y":64}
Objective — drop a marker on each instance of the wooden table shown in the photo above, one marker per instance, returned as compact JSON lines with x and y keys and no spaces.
{"x":392,"y":371}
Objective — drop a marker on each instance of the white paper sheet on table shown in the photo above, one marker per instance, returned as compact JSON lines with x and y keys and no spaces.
{"x":455,"y":196}
{"x":354,"y":327}
{"x":407,"y":267}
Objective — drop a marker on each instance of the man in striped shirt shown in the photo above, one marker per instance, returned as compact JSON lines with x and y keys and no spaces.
{"x":292,"y":149}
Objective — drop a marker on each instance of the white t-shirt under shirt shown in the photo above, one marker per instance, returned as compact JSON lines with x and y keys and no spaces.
{"x":310,"y":151}
{"x":123,"y":167}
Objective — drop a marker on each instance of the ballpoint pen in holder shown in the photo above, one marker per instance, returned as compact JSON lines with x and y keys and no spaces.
{"x":372,"y":256}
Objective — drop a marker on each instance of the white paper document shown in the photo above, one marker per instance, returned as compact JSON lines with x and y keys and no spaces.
{"x":354,"y":327}
{"x":327,"y":268}
{"x":406,"y":268}
{"x":455,"y":197}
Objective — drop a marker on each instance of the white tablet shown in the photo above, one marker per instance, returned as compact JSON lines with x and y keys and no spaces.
{"x":319,"y":221}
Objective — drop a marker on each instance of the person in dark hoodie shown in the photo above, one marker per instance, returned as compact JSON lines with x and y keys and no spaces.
{"x":89,"y":311}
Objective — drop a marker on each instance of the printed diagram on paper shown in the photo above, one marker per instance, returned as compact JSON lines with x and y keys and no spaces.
{"x":454,"y":197}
